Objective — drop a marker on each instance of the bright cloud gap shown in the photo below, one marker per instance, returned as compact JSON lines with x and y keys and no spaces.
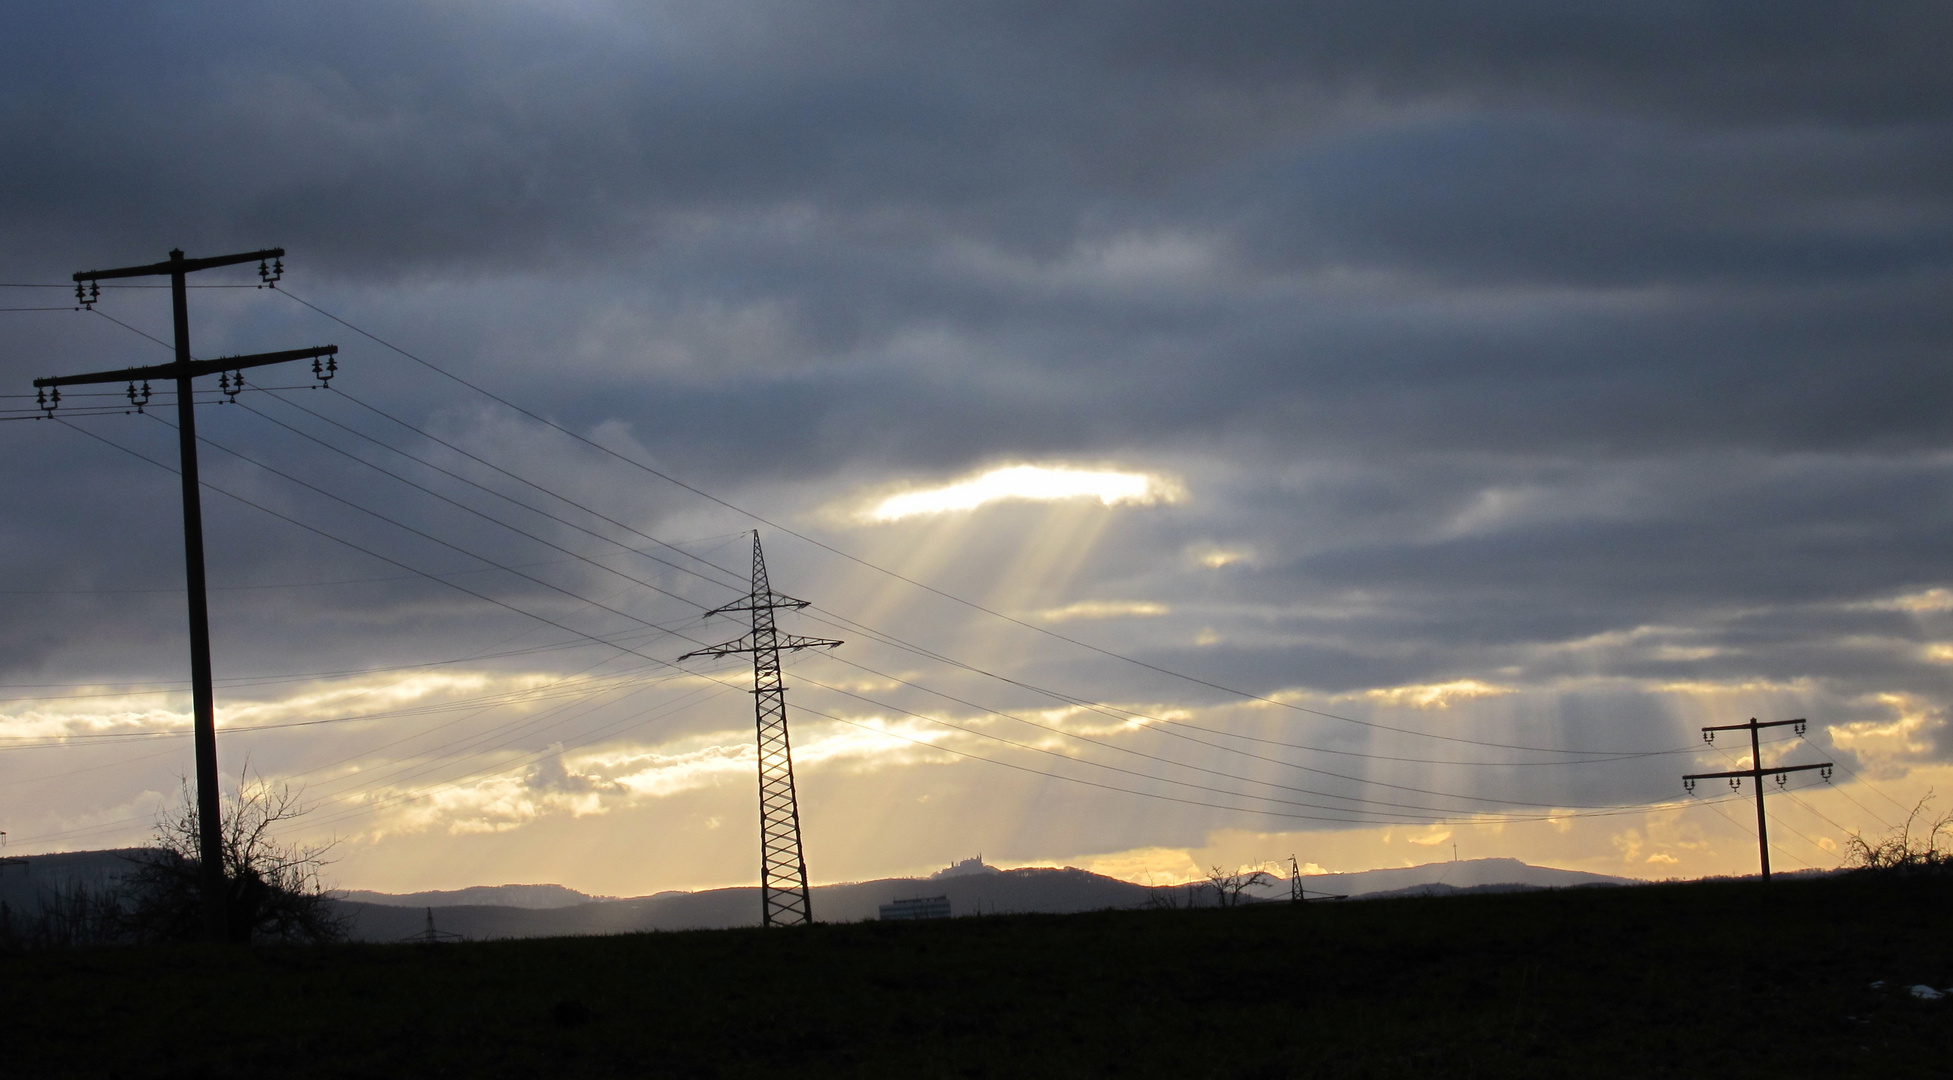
{"x":1028,"y":483}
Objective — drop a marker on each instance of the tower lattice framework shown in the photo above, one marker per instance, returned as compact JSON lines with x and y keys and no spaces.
{"x":783,"y":867}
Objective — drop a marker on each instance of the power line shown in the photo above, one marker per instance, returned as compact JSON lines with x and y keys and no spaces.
{"x":1232,"y":776}
{"x":728,"y":579}
{"x":1509,"y":746}
{"x":900,"y":577}
{"x":290,"y":677}
{"x":1411,"y":807}
{"x":885,"y":638}
{"x":471,"y":456}
{"x":462,"y":506}
{"x":895,"y":642}
{"x":1122,"y":749}
{"x":571,"y":630}
{"x":1130,"y":715}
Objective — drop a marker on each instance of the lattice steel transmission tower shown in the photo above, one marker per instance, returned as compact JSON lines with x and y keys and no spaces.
{"x":783,"y":869}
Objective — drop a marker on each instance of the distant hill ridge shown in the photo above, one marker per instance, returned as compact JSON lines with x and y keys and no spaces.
{"x":972,"y":886}
{"x":1458,"y":874}
{"x":532,"y":897}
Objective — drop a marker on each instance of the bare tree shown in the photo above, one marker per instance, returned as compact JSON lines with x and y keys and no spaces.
{"x":275,"y":893}
{"x":1228,"y":887}
{"x":69,"y":915}
{"x":1916,"y":846}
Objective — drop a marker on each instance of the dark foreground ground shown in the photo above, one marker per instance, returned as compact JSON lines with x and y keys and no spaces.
{"x":1705,"y":980}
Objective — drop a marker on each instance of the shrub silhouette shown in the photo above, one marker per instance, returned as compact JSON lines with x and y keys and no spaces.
{"x":275,"y":893}
{"x":1907,"y":849}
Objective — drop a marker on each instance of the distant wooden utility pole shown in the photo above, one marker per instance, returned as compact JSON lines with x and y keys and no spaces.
{"x":1755,"y":773}
{"x":184,"y":369}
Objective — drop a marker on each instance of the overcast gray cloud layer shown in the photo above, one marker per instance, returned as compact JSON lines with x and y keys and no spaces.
{"x":1481,"y":330}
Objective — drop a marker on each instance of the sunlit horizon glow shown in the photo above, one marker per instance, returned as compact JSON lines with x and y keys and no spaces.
{"x":1028,"y":483}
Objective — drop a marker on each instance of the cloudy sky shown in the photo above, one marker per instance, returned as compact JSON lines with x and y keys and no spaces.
{"x":1219,"y":432}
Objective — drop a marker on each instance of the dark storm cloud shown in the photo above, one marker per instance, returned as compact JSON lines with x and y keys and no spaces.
{"x":413,"y":136}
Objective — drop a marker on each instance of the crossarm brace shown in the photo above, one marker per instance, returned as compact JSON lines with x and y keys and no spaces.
{"x":1758,"y":773}
{"x":193,"y":369}
{"x":186,"y":266}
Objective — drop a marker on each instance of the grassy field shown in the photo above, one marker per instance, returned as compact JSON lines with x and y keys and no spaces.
{"x":1700,"y":980}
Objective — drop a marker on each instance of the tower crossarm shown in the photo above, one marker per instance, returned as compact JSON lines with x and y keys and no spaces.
{"x":737,"y":646}
{"x":744,"y":646}
{"x":774,"y":602}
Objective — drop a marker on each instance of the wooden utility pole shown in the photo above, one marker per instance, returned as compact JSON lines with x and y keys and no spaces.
{"x":1755,"y":773}
{"x":216,"y":918}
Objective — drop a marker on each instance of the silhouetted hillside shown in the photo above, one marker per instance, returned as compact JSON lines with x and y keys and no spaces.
{"x":971,"y":891}
{"x":544,"y":910}
{"x":1045,"y":890}
{"x":517,"y":896}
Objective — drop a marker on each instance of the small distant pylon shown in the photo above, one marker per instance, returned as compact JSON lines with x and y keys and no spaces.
{"x":430,"y":935}
{"x":784,"y":899}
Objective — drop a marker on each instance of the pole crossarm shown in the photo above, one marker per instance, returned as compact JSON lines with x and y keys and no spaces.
{"x":185,"y":266}
{"x":1755,"y":723}
{"x":1758,"y":773}
{"x":192,"y":369}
